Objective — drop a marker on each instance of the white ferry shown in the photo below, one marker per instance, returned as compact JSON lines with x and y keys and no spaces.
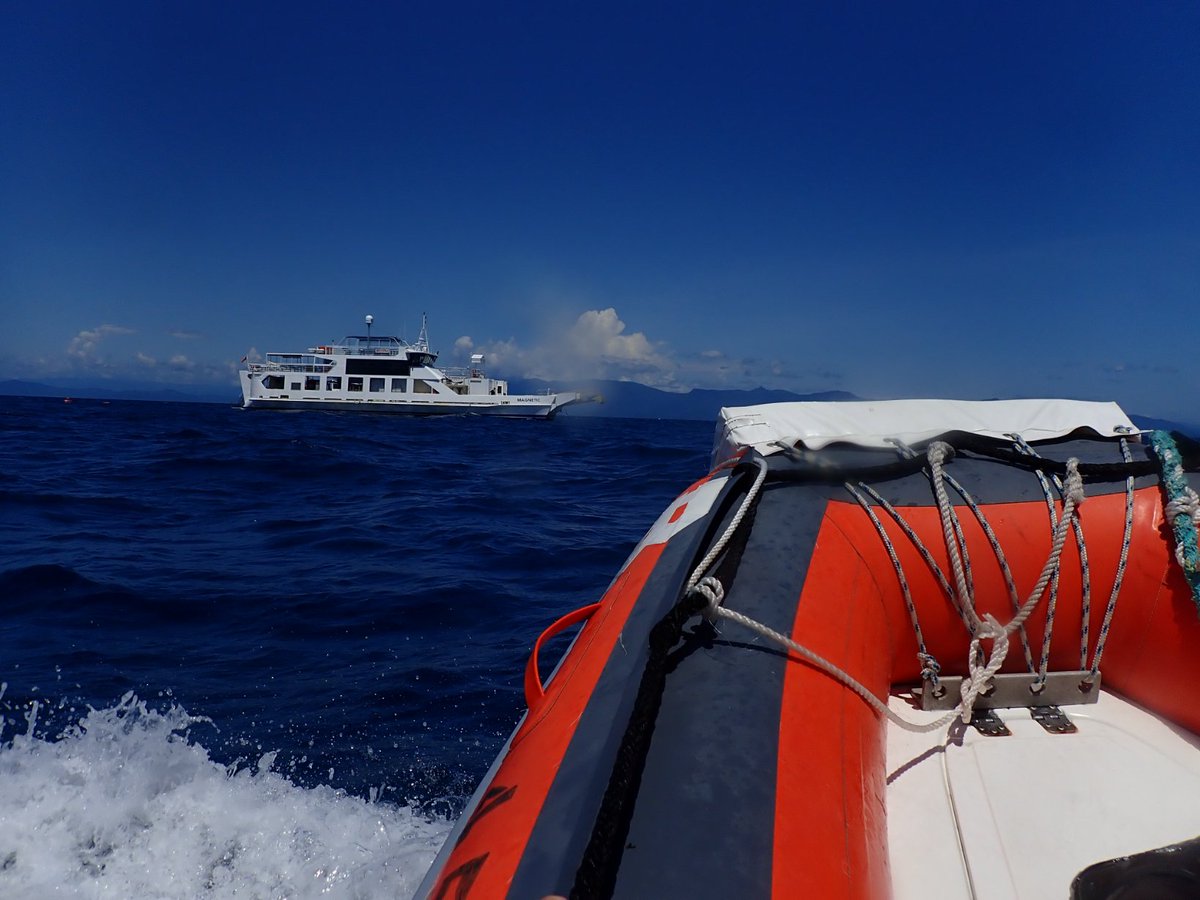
{"x":386,"y":374}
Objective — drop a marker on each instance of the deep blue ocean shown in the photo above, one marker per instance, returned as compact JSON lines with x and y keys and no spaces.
{"x":271,"y":654}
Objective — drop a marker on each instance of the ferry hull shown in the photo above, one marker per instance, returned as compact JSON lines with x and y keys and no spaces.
{"x":517,"y":406}
{"x":676,"y":753}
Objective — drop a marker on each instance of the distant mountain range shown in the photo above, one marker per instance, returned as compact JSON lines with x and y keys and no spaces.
{"x":626,"y":399}
{"x":621,"y":399}
{"x":629,"y":400}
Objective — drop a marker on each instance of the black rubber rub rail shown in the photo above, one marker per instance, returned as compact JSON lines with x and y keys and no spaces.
{"x":597,"y":873}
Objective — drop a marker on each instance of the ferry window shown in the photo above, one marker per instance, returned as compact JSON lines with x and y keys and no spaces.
{"x":377,"y":385}
{"x":312,"y":383}
{"x":398,"y":385}
{"x":295,"y":385}
{"x":354,"y":384}
{"x":422,"y":387}
{"x":377,"y":367}
{"x":333,"y":383}
{"x":273,"y":382}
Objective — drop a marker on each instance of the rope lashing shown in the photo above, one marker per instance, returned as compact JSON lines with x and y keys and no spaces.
{"x":985,"y":628}
{"x":713,"y":592}
{"x":909,"y":532}
{"x":710,"y":588}
{"x":908,"y":452}
{"x":1043,"y":669}
{"x":1122,"y":563}
{"x":930,"y":667}
{"x":978,"y":676}
{"x":956,"y":544}
{"x":1182,"y":508}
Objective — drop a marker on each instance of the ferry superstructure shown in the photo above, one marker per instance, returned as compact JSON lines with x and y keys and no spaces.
{"x":374,"y":373}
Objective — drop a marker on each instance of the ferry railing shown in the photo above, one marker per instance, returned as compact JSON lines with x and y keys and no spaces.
{"x":257,"y":367}
{"x":461,"y":372}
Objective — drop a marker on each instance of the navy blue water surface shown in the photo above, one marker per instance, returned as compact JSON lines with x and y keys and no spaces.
{"x":356,"y":592}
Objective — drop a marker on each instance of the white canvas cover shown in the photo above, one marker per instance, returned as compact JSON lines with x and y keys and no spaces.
{"x":869,"y":423}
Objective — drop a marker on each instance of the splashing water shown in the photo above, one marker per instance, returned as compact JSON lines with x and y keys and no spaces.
{"x":125,"y":804}
{"x":264,"y":572}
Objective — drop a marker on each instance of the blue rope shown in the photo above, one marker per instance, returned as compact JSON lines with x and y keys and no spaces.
{"x":1176,"y":487}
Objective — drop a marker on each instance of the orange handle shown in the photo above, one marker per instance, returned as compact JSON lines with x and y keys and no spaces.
{"x":534,"y":691}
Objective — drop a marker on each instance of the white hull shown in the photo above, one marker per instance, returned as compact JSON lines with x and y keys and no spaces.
{"x":530,"y":407}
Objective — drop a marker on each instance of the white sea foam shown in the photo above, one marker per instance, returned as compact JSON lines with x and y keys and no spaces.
{"x":124,"y":805}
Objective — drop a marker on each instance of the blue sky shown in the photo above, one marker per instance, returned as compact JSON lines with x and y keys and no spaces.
{"x":934,"y":199}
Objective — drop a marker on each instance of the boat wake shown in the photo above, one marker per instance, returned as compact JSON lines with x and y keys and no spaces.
{"x":126,"y":803}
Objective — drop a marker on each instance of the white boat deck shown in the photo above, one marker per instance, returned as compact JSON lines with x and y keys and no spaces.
{"x":1020,"y":816}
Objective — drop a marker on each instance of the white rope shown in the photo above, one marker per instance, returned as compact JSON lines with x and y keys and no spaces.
{"x":715,"y":610}
{"x":732,"y":527}
{"x":978,"y":676}
{"x":937,"y":454}
{"x":713,"y":591}
{"x":986,"y":628}
{"x":1072,"y":496}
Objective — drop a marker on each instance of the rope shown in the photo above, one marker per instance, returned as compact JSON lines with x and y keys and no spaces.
{"x":711,"y":589}
{"x":1073,"y":495}
{"x":989,"y":532}
{"x":731,"y":528}
{"x":1024,"y":448}
{"x":1001,"y":559}
{"x":1182,"y":508}
{"x":715,"y":610}
{"x":937,"y":454}
{"x":986,"y":628}
{"x":930,"y":667}
{"x":916,"y":541}
{"x":1126,"y":537}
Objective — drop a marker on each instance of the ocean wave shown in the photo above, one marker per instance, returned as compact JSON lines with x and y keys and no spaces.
{"x":356,"y":594}
{"x":52,"y":501}
{"x":125,"y":804}
{"x":51,"y":592}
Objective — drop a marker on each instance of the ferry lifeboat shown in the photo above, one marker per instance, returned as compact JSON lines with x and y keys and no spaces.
{"x":903,"y":649}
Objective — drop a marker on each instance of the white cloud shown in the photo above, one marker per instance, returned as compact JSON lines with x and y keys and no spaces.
{"x":597,"y":345}
{"x":600,"y":345}
{"x":83,"y":346}
{"x":108,"y":352}
{"x":184,"y":335}
{"x":599,"y":334}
